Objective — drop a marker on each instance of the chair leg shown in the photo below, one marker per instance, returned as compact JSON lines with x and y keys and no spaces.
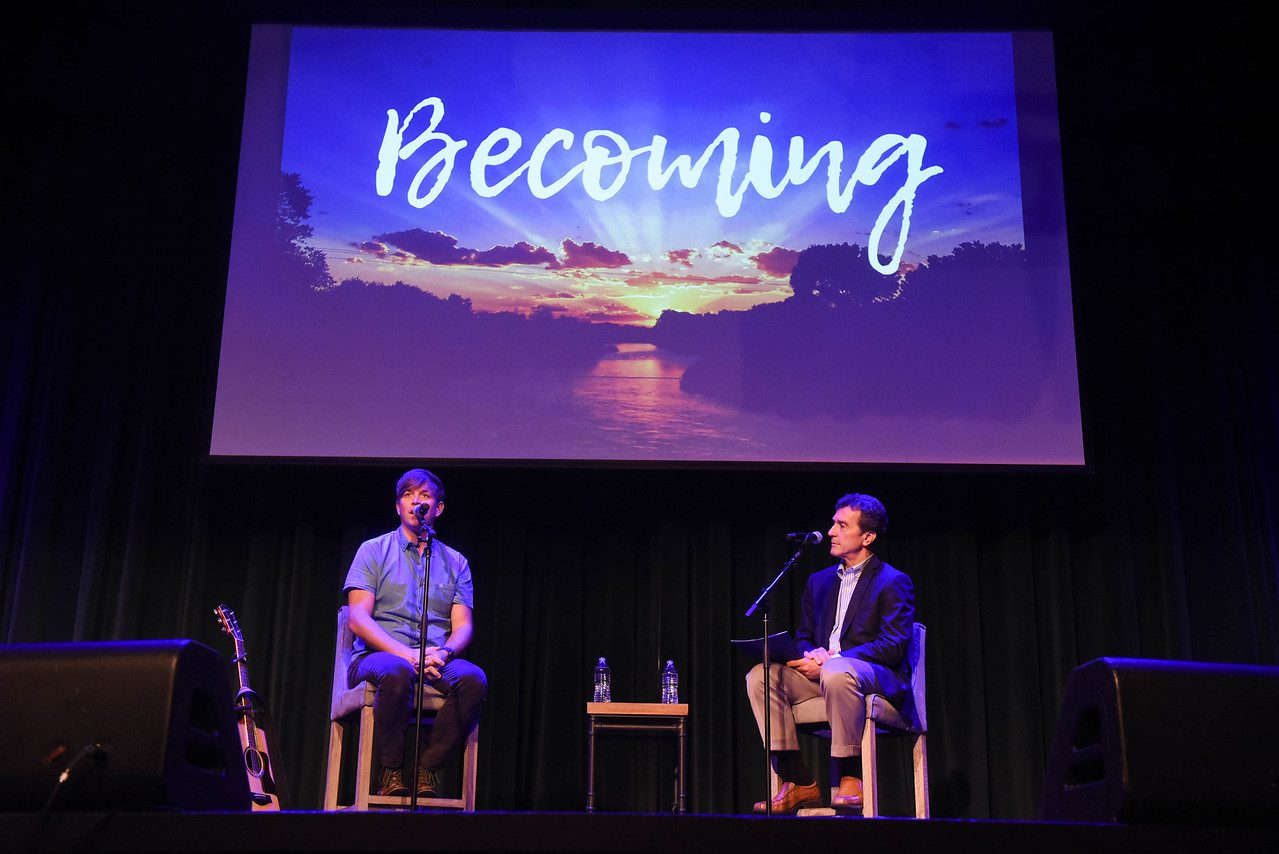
{"x":921,"y":776}
{"x":870,"y":772}
{"x":334,"y":775}
{"x":364,"y":760}
{"x":470,"y":768}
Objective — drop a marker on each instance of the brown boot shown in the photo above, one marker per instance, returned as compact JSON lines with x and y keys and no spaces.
{"x":391,"y":784}
{"x":791,"y":798}
{"x":428,"y":783}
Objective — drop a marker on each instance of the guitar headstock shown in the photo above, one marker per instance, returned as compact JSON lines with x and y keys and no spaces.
{"x":226,"y":618}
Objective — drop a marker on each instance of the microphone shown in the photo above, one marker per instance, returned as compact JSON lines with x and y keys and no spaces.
{"x":805,"y":538}
{"x":420,"y":512}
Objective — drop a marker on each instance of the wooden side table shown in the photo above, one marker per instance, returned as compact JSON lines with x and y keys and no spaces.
{"x":635,"y":717}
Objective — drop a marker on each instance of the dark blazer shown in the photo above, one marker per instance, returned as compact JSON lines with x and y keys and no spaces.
{"x":878,"y":624}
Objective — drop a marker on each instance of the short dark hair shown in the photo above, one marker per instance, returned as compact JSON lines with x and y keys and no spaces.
{"x":414,"y":478}
{"x":874,"y":518}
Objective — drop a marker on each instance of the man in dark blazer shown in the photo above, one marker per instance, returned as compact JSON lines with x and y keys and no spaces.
{"x":857,"y":620}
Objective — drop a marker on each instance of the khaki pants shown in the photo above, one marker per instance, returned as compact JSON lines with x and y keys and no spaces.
{"x":844,"y":684}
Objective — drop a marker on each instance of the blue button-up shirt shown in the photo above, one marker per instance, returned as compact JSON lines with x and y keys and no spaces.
{"x":848,"y":578}
{"x":390,"y":568}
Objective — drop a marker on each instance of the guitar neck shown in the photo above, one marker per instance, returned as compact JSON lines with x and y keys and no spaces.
{"x":246,"y":692}
{"x":242,"y":667}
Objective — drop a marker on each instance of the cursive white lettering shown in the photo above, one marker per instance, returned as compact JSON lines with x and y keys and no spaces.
{"x":393,"y":150}
{"x":605,"y":150}
{"x":484,"y":157}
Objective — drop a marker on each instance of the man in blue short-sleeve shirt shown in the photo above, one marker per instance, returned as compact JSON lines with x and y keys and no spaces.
{"x":384,"y":592}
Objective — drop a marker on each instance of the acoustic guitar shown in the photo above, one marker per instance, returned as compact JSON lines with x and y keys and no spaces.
{"x":263,"y":789}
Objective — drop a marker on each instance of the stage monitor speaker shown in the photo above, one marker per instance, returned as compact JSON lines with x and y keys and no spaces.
{"x":135,"y":724}
{"x":1166,"y":742}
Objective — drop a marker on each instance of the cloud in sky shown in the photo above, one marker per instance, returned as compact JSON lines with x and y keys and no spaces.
{"x":598,"y":309}
{"x":384,"y":253}
{"x":417,"y":246}
{"x":588,"y":280}
{"x":522,"y":252}
{"x":434,"y":247}
{"x":588,"y":254}
{"x":777,"y":262}
{"x":723,"y":249}
{"x":440,"y":249}
{"x":654,"y":279}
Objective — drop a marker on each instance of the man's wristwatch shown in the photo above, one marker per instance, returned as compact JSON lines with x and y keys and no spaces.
{"x":449,"y":651}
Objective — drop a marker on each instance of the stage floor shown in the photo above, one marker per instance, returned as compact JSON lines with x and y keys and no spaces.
{"x":509,"y":831}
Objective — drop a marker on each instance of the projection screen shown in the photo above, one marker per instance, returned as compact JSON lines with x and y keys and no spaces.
{"x":639,"y":246}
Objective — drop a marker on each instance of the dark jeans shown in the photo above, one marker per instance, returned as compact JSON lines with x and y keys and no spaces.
{"x":462,"y":683}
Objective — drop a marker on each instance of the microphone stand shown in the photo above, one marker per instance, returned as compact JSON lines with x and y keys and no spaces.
{"x":428,"y":533}
{"x":762,"y":604}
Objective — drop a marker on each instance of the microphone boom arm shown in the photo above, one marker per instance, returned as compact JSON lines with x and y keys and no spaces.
{"x":769,"y":589}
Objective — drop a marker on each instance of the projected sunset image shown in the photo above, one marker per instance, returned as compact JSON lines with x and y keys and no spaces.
{"x":642,"y":247}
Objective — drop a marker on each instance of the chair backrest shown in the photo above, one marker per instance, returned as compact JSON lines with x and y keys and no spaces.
{"x":916,"y":710}
{"x":341,"y":657}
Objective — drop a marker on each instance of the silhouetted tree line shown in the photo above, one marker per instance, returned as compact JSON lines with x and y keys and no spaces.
{"x":964,"y":334}
{"x":292,"y":210}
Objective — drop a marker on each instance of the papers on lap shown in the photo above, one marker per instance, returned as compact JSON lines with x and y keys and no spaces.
{"x":782,"y":648}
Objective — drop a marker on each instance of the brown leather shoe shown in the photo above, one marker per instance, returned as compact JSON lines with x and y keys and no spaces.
{"x":792,"y":798}
{"x":391,"y":783}
{"x":849,"y":795}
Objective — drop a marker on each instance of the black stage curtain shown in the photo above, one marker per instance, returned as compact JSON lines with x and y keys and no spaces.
{"x":115,"y":525}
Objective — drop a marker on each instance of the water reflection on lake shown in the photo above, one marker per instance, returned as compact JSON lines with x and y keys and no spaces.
{"x":633,"y":396}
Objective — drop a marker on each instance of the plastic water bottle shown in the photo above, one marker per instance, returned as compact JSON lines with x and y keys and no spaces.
{"x":603,"y":682}
{"x":670,"y":684}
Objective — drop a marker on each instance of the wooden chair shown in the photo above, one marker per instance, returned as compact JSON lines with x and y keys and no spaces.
{"x":882,"y":718}
{"x":354,"y":707}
